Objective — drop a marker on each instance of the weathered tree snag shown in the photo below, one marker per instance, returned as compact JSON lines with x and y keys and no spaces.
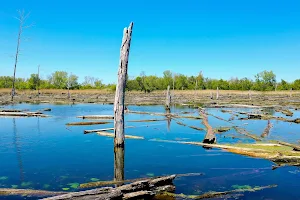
{"x":217,"y":93}
{"x":267,"y":129}
{"x":210,"y":137}
{"x":250,"y":95}
{"x":211,"y":95}
{"x":120,"y":90}
{"x":168,"y":99}
{"x":118,"y":164}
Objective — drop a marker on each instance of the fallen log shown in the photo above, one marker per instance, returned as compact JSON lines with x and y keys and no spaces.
{"x":210,"y":137}
{"x":27,"y":192}
{"x":222,"y":129}
{"x":22,"y":114}
{"x":246,"y":133}
{"x":193,"y":127}
{"x":107,"y":134}
{"x":10,"y":110}
{"x":104,"y":129}
{"x":96,"y":117}
{"x":105,"y":183}
{"x":210,"y":195}
{"x":295,"y":147}
{"x":147,"y":120}
{"x":86,"y":123}
{"x":267,"y":129}
{"x":130,"y":191}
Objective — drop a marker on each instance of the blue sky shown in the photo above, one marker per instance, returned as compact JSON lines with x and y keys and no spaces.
{"x":224,"y":39}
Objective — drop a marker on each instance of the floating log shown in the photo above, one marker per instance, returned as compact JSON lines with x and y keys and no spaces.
{"x":130,"y":191}
{"x":286,"y":112}
{"x":147,"y":120}
{"x":10,"y":110}
{"x":96,"y":117}
{"x":210,"y":195}
{"x":210,"y":137}
{"x":222,"y":129}
{"x":86,"y":123}
{"x":105,"y":183}
{"x":107,"y":134}
{"x":193,"y":127}
{"x":28,"y":192}
{"x":104,"y":129}
{"x":267,"y":129}
{"x":246,"y":133}
{"x":22,"y":114}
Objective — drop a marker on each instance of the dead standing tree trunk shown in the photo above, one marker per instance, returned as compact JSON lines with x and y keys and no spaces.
{"x":168,"y":99}
{"x":120,"y":90}
{"x":22,"y":18}
{"x":217,"y":93}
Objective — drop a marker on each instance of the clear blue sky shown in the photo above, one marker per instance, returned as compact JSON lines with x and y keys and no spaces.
{"x":222,"y":38}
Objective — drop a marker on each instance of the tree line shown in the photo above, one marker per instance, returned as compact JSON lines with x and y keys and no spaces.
{"x":263,"y":81}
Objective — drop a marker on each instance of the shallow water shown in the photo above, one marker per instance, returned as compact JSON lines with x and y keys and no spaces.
{"x":44,"y":153}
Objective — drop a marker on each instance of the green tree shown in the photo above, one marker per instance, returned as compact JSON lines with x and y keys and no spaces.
{"x":33,"y":81}
{"x":59,"y":79}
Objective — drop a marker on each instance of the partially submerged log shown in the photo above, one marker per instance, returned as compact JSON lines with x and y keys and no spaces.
{"x":222,"y":129}
{"x":210,"y":195}
{"x":294,"y":146}
{"x":86,"y":123}
{"x":11,"y":110}
{"x":246,"y":133}
{"x":106,"y":183}
{"x":286,"y":112}
{"x":130,"y":191}
{"x":147,"y":120}
{"x":96,"y":117}
{"x":267,"y":129}
{"x":28,"y":192}
{"x":22,"y":114}
{"x":210,"y":137}
{"x":107,"y":134}
{"x":103,"y":129}
{"x":193,"y":127}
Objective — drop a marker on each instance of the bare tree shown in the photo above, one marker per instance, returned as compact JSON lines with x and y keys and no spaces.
{"x":22,"y":19}
{"x":38,"y":82}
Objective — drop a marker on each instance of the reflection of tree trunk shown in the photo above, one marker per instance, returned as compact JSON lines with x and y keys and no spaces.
{"x":119,"y":164}
{"x":18,"y":150}
{"x":168,"y":120}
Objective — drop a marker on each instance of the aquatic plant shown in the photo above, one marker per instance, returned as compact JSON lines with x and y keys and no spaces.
{"x":150,"y":174}
{"x":14,"y":186}
{"x":65,"y":189}
{"x":73,"y":185}
{"x":3,"y":178}
{"x":242,"y":187}
{"x":95,"y":179}
{"x":26,"y":184}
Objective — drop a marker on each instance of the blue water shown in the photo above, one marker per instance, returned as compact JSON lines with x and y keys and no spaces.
{"x":44,"y":153}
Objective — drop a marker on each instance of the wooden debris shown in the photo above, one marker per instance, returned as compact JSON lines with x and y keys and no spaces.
{"x":210,"y":137}
{"x":103,"y":133}
{"x":147,"y":120}
{"x":27,"y":192}
{"x":295,"y":147}
{"x":96,"y":117}
{"x":130,"y":191}
{"x":286,"y":112}
{"x":246,"y":133}
{"x":210,"y":195}
{"x":22,"y":114}
{"x":119,"y":104}
{"x":104,"y":129}
{"x":267,"y":129}
{"x":105,"y":183}
{"x":11,"y":110}
{"x":86,"y":123}
{"x":193,"y":127}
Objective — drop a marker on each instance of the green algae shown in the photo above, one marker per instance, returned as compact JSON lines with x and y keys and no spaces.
{"x":95,"y":179}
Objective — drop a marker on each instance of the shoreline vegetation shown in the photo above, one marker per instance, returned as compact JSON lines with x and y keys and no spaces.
{"x":202,"y":98}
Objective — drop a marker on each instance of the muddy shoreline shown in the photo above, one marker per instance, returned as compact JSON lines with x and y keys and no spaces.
{"x":198,"y":98}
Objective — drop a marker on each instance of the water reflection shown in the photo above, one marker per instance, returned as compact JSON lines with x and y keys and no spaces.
{"x":17,"y":145}
{"x":118,"y":164}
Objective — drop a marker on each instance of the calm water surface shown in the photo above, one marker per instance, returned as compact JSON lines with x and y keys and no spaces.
{"x":44,"y":153}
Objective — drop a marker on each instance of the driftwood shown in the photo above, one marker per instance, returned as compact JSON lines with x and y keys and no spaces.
{"x":193,"y":127}
{"x":147,"y":120}
{"x":28,"y":192}
{"x":23,"y":114}
{"x":222,"y":129}
{"x":210,"y":195}
{"x":104,"y":129}
{"x":295,"y":147}
{"x":103,"y":133}
{"x":86,"y":123}
{"x":96,"y":117}
{"x":267,"y":129}
{"x":210,"y":137}
{"x":10,"y":110}
{"x":130,"y":191}
{"x":286,"y":112}
{"x":105,"y":183}
{"x":246,"y":133}
{"x":119,"y":104}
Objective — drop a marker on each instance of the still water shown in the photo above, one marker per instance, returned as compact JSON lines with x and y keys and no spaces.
{"x":44,"y":153}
